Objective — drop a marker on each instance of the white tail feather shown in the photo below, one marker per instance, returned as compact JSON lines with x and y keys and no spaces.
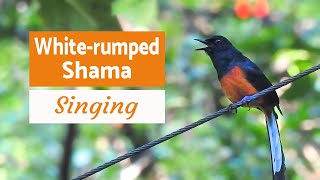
{"x":275,"y":144}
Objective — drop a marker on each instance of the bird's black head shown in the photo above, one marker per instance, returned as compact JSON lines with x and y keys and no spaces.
{"x":216,"y":44}
{"x":221,"y":52}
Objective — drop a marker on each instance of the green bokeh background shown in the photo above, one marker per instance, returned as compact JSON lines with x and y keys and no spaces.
{"x":233,"y":146}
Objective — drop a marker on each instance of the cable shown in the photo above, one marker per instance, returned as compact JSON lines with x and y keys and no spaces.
{"x":195,"y":124}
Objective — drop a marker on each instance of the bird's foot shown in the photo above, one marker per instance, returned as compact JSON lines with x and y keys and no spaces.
{"x":246,"y":101}
{"x":231,"y":110}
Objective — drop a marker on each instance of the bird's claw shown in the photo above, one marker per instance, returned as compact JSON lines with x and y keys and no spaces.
{"x":230,"y":109}
{"x":246,"y":101}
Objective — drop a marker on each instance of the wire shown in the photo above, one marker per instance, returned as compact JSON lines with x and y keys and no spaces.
{"x":195,"y":124}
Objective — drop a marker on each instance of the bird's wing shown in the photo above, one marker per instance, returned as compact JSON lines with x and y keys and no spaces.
{"x":255,"y":76}
{"x":258,"y":80}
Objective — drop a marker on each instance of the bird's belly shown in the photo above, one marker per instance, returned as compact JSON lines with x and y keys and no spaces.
{"x":235,"y":86}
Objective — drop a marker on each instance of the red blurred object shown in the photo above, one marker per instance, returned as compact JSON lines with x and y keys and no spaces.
{"x":242,"y":9}
{"x":261,"y":9}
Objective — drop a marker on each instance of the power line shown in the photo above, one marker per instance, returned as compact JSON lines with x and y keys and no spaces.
{"x":195,"y":124}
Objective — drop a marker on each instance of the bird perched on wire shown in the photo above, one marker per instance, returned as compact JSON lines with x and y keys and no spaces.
{"x":239,"y":78}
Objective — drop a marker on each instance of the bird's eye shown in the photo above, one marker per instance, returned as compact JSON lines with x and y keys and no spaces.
{"x":217,"y":41}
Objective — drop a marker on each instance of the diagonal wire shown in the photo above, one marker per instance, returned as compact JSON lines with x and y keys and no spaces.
{"x":195,"y":124}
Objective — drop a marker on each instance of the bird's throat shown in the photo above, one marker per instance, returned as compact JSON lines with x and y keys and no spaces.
{"x":222,"y":66}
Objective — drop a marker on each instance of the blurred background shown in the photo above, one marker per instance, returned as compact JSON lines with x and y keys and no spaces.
{"x":282,"y":37}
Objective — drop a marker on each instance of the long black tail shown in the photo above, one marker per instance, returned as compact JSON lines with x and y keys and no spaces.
{"x":277,"y":155}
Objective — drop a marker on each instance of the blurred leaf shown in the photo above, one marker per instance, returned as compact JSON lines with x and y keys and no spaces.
{"x":139,"y":13}
{"x":78,"y":15}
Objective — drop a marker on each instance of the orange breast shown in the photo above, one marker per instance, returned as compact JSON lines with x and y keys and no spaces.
{"x":235,"y":86}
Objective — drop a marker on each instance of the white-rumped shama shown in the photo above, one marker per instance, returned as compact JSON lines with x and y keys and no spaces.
{"x":239,"y":78}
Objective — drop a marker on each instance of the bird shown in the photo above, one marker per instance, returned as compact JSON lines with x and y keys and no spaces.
{"x":240,"y":78}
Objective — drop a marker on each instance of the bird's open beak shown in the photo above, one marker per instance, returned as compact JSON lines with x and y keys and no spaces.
{"x":204,"y":42}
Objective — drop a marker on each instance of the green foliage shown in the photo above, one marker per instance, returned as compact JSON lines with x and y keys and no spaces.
{"x":135,"y":11}
{"x":233,"y":146}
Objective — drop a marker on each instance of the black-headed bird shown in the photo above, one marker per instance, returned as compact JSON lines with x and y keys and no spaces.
{"x":239,"y":78}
